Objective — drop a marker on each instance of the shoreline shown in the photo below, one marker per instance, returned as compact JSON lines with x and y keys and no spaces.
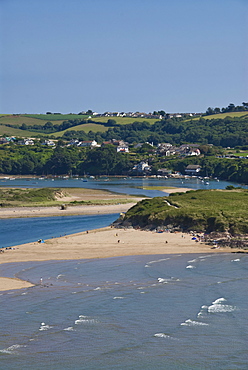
{"x":53,"y":211}
{"x":106,"y":242}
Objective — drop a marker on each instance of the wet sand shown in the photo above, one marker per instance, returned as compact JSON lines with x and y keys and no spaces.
{"x":102,"y":243}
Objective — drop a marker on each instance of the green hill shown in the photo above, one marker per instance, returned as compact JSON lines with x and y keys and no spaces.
{"x":9,"y":124}
{"x":201,"y":210}
{"x":84,"y":127}
{"x":55,"y":117}
{"x":10,"y":131}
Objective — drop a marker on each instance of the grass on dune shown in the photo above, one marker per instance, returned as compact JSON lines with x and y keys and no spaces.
{"x":201,"y":210}
{"x":44,"y":197}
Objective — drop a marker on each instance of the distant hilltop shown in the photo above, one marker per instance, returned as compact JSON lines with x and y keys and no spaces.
{"x":160,"y":114}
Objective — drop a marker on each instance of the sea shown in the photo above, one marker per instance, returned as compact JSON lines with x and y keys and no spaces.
{"x":170,"y":312}
{"x":142,"y":312}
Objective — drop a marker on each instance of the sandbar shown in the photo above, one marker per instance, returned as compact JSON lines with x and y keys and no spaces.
{"x":176,"y":190}
{"x":13,"y":283}
{"x":103,"y":243}
{"x":19,"y":212}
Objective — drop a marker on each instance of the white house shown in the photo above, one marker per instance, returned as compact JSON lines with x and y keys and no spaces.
{"x":48,"y":143}
{"x":192,"y":169}
{"x":122,"y":148}
{"x":26,"y":142}
{"x":89,"y":143}
{"x":142,"y":167}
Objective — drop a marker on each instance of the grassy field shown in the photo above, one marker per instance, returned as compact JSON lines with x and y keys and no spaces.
{"x":222,"y":115}
{"x":124,"y":120}
{"x":19,"y":120}
{"x":10,"y":131}
{"x":55,"y":117}
{"x":85,"y":127}
{"x":41,"y":119}
{"x":15,"y":197}
{"x":201,"y":210}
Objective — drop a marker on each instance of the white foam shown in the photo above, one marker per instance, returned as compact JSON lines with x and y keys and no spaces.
{"x":161,"y":335}
{"x":43,"y":326}
{"x":12,"y":349}
{"x":85,"y":320}
{"x":157,"y":261}
{"x":161,"y":280}
{"x":201,"y":313}
{"x":118,"y":298}
{"x":193,"y":323}
{"x":218,"y":306}
{"x":191,"y":261}
{"x":237,"y":260}
{"x":219,"y":300}
{"x":60,"y":275}
{"x":70,"y":328}
{"x":165,"y":281}
{"x":190,"y":267}
{"x":221,"y":308}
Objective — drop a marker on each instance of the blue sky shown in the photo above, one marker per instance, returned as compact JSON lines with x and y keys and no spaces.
{"x":122,"y":55}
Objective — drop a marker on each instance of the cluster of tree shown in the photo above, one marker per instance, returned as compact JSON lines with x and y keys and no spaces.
{"x":39,"y":160}
{"x":235,"y":170}
{"x":219,"y":132}
{"x":230,"y":131}
{"x":230,"y":108}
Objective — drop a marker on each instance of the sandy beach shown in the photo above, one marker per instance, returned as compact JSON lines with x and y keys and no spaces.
{"x":102,"y":243}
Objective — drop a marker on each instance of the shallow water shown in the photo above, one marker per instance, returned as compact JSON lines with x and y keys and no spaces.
{"x":141,"y":312}
{"x":132,"y":186}
{"x":26,"y":230}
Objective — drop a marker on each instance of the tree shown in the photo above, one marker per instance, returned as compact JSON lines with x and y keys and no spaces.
{"x":111,"y":122}
{"x":162,"y":113}
{"x":23,"y":126}
{"x":60,"y":162}
{"x":231,"y":107}
{"x":209,"y":111}
{"x":48,"y":126}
